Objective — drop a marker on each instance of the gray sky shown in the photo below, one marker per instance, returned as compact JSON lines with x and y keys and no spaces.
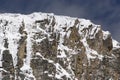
{"x":103,"y":12}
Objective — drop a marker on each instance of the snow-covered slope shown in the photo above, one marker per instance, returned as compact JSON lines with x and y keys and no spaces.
{"x":42,"y":46}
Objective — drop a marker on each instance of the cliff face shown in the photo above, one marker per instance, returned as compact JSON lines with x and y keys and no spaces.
{"x":43,"y":46}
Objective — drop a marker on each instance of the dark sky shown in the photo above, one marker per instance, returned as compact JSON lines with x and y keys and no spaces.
{"x":103,"y":12}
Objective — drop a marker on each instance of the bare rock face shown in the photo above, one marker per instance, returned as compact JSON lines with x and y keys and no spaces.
{"x":43,"y":46}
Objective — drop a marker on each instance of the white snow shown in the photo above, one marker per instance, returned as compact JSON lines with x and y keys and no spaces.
{"x":85,"y":23}
{"x":40,"y":40}
{"x":105,"y":34}
{"x":90,"y":51}
{"x":61,"y":72}
{"x":62,"y":27}
{"x":115,"y":44}
{"x":61,"y":51}
{"x":27,"y":70}
{"x":94,"y":31}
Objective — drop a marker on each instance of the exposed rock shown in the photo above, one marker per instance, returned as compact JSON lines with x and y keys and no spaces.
{"x":7,"y":65}
{"x":43,"y":46}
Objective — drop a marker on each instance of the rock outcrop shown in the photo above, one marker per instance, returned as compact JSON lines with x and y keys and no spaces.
{"x":43,"y":46}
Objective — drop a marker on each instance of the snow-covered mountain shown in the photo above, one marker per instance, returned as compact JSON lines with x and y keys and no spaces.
{"x":42,"y":46}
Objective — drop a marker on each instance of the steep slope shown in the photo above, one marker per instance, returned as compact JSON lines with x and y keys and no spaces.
{"x":43,"y":46}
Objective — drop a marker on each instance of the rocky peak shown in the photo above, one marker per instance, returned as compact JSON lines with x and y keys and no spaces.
{"x":42,"y":46}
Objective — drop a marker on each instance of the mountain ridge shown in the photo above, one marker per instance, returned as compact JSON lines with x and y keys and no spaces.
{"x":42,"y":46}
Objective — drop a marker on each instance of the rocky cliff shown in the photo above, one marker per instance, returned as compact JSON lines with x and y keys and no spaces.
{"x":42,"y":46}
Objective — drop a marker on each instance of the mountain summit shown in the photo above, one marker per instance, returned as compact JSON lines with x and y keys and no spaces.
{"x":42,"y":46}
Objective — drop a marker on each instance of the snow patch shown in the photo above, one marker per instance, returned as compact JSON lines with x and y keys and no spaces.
{"x":105,"y":34}
{"x":115,"y":44}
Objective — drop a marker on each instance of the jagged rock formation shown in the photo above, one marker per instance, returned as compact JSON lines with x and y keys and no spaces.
{"x":44,"y":46}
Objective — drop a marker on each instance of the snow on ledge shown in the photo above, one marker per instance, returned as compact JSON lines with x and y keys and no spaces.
{"x":116,"y":44}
